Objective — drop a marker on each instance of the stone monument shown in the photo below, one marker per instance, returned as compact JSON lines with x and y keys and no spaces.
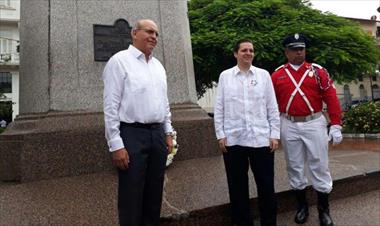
{"x":60,"y":129}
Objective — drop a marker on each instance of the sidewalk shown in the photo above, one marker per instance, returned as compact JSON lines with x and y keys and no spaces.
{"x":195,"y":191}
{"x":358,"y":210}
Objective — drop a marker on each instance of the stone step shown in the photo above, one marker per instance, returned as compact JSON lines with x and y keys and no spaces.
{"x":195,"y":192}
{"x":202,"y":198}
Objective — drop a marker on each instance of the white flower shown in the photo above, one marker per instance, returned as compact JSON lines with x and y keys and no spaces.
{"x":174,"y":151}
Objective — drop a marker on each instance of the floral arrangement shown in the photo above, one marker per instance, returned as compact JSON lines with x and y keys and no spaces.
{"x":174,"y":151}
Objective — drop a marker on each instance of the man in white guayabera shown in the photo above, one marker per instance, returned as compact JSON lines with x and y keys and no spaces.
{"x":247,"y":126}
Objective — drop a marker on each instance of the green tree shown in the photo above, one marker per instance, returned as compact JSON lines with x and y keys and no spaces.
{"x":338,"y":44}
{"x":5,"y":108}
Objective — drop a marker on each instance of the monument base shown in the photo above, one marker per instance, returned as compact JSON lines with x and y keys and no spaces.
{"x":54,"y":144}
{"x":195,"y":132}
{"x":58,"y":144}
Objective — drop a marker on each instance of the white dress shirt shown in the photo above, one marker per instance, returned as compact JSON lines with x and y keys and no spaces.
{"x":246,"y":111}
{"x":134,"y":91}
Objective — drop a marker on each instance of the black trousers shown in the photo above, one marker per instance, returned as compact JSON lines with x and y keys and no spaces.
{"x":141,"y":185}
{"x":261,"y":160}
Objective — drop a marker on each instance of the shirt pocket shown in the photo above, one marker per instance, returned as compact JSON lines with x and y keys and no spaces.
{"x":233,"y":107}
{"x":258,"y":102}
{"x":160,"y":85}
{"x":234,"y":128}
{"x":261,"y":128}
{"x":137,"y":84}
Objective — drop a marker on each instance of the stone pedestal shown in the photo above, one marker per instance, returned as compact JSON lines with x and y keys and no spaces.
{"x":60,"y":129}
{"x":195,"y":132}
{"x":44,"y":146}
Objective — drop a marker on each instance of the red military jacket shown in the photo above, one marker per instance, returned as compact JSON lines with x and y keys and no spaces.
{"x":317,"y":87}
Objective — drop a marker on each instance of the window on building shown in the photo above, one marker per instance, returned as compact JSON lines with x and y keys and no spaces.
{"x":374,"y":78}
{"x":347,"y":95}
{"x":5,"y":82}
{"x":362,"y":92}
{"x":360,"y":78}
{"x":376,"y":92}
{"x":6,"y":3}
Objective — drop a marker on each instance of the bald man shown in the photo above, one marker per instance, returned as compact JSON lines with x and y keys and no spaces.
{"x":138,"y":125}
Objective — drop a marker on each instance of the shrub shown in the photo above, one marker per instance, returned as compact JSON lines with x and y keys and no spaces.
{"x":6,"y":111}
{"x":364,"y":118}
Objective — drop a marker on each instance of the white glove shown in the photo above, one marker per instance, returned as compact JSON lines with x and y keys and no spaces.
{"x":335,"y":134}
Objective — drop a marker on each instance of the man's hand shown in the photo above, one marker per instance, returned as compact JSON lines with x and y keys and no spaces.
{"x":273,"y":144}
{"x":335,"y":134}
{"x":121,"y":158}
{"x":222,"y":145}
{"x":169,"y":143}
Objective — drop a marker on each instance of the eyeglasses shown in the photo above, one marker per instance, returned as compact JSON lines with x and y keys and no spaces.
{"x":149,"y":31}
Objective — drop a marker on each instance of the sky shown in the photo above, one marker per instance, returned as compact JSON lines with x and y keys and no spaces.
{"x":362,"y":9}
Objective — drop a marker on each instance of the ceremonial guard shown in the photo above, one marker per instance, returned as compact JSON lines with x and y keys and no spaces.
{"x":301,"y":89}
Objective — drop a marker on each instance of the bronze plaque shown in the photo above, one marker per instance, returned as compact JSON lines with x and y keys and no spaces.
{"x":109,"y":39}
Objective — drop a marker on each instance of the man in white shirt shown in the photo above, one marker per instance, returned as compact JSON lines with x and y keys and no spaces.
{"x":247,"y":126}
{"x":138,"y":125}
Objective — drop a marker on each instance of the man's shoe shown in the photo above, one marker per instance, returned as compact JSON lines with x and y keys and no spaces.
{"x":324,"y":217}
{"x":302,"y":214}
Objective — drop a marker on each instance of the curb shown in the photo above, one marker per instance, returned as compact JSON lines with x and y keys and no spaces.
{"x":362,"y":135}
{"x":219,"y":215}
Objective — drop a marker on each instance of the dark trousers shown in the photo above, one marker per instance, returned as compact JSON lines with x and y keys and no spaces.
{"x":237,"y":161}
{"x":141,"y":185}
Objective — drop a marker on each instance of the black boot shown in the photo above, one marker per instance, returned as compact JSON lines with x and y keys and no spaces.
{"x":323,"y":209}
{"x":303,"y":208}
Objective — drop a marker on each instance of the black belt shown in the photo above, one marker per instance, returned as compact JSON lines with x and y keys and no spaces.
{"x":141,"y":125}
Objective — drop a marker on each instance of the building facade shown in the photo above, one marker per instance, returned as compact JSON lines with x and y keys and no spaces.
{"x":9,"y":55}
{"x":364,"y":88}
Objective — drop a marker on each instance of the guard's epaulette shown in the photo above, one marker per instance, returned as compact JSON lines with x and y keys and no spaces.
{"x":279,"y":67}
{"x":317,"y":65}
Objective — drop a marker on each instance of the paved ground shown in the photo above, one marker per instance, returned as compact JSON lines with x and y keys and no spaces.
{"x":359,"y":210}
{"x":190,"y":186}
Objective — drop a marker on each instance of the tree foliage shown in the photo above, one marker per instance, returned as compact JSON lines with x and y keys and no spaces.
{"x":336,"y":43}
{"x":6,"y":110}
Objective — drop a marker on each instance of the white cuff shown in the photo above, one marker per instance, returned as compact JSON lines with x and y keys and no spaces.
{"x":115,"y":144}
